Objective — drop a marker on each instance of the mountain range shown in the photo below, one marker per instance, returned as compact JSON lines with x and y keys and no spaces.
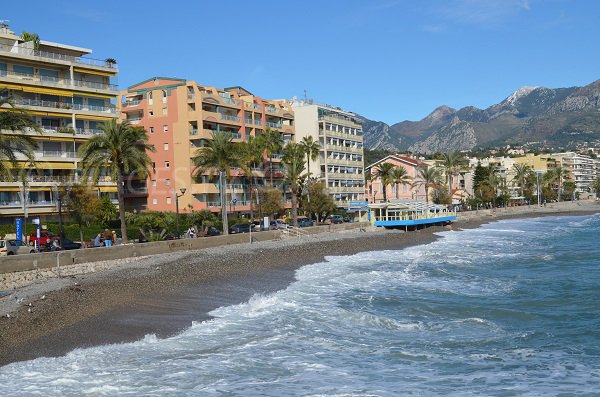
{"x":537,"y":116}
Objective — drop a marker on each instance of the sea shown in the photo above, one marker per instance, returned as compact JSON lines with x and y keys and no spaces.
{"x":511,"y":308}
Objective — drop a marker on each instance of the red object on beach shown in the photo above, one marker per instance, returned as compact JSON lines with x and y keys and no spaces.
{"x":46,"y":237}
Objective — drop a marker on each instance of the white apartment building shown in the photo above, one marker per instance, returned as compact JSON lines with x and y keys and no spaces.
{"x":582,"y":169}
{"x":341,"y":158}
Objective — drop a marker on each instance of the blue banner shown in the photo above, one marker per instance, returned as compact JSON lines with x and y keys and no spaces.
{"x":19,"y":225}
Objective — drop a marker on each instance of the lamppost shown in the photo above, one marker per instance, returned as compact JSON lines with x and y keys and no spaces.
{"x":182,"y":190}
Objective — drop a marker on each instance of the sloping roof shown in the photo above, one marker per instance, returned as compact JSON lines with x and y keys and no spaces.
{"x":397,"y":157}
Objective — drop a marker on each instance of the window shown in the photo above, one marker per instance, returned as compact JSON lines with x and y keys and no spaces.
{"x":153,"y":182}
{"x":167,"y":182}
{"x":168,"y":200}
{"x":167,"y":164}
{"x":155,"y":201}
{"x":164,"y":96}
{"x":150,"y":113}
{"x":152,"y":130}
{"x":150,"y":101}
{"x":165,"y":146}
{"x":165,"y":128}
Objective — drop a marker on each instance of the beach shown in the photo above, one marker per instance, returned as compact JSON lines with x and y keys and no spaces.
{"x":164,"y":294}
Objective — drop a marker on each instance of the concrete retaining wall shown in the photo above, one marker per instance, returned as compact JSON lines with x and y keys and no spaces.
{"x":44,"y":260}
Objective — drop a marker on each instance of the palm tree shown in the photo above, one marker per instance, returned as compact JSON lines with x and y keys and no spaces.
{"x":560,"y":174}
{"x":428,"y":177}
{"x":122,"y":150}
{"x":522,"y":172}
{"x":218,"y":156}
{"x":401,"y":177}
{"x":249,"y":154}
{"x":293,"y":166}
{"x":311,"y":149}
{"x":453,"y":162}
{"x":272,"y":142}
{"x":385,"y":172}
{"x":15,"y":120}
{"x":492,"y":181}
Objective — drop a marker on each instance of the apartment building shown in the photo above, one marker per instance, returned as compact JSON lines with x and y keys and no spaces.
{"x":394,"y":191}
{"x":582,"y":169}
{"x":69,"y":96}
{"x":341,"y":159}
{"x":180,"y":116}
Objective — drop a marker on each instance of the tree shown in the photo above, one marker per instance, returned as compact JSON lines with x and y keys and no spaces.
{"x":453,"y":162}
{"x":107,"y":211}
{"x":492,"y":182}
{"x":401,"y":177}
{"x":270,"y":200}
{"x":569,"y":188}
{"x":293,"y":166}
{"x":428,"y":177}
{"x":560,"y":174}
{"x":522,"y":172}
{"x":311,"y":149}
{"x":83,"y":205}
{"x":218,"y":156}
{"x":123,"y":150}
{"x":17,"y":121}
{"x":33,"y":37}
{"x":385,"y":172}
{"x":249,"y":155}
{"x":272,"y":142}
{"x":202,"y":220}
{"x":596,"y":186}
{"x":318,"y":201}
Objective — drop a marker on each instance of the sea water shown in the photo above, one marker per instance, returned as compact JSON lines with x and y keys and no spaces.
{"x":511,"y":308}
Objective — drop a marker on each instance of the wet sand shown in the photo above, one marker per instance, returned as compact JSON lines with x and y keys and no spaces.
{"x":162,"y":295}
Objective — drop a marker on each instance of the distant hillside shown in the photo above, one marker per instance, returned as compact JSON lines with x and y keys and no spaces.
{"x":561,"y":117}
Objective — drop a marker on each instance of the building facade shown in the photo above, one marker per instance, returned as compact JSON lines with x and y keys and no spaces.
{"x":69,"y":96}
{"x":180,"y":116}
{"x":581,"y":169}
{"x":341,"y":155}
{"x":375,"y":187}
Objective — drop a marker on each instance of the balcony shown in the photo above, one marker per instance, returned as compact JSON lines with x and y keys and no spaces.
{"x":344,"y":162}
{"x":55,"y":56}
{"x":88,"y":131}
{"x":65,"y":105}
{"x":230,"y":118}
{"x":339,"y":134}
{"x":129,"y":104}
{"x":135,"y":120}
{"x":274,"y":125}
{"x":340,"y":120}
{"x":55,"y":81}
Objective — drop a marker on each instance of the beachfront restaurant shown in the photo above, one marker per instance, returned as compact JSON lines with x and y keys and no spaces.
{"x":405,"y":214}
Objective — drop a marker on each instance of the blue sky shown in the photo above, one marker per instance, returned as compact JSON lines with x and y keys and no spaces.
{"x":389,"y":60}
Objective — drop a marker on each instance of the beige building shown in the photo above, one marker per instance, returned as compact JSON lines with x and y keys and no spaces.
{"x":341,"y":158}
{"x":582,"y":169}
{"x":69,"y":96}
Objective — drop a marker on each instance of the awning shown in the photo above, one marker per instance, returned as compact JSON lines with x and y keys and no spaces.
{"x":108,"y":189}
{"x":56,"y":165}
{"x":51,"y":114}
{"x":10,"y":189}
{"x":48,"y":91}
{"x":100,"y":118}
{"x":11,"y":86}
{"x":96,"y":72}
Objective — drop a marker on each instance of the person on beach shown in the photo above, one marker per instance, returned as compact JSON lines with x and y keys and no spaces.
{"x":114,"y":237}
{"x":98,"y":240}
{"x":107,"y":238}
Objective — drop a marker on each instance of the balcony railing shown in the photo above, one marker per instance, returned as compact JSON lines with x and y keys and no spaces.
{"x":230,"y":101}
{"x":136,"y":120}
{"x":57,"y":153}
{"x":64,"y":105}
{"x":274,"y":125}
{"x":131,"y":103}
{"x":56,"y":56}
{"x":17,"y":203}
{"x":230,"y":118}
{"x":88,"y":131}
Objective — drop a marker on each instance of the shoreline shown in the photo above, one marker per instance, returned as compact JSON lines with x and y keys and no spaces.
{"x":163,"y":294}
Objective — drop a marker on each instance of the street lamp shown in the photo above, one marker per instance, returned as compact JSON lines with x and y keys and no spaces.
{"x":182,"y":190}
{"x":537,"y":175}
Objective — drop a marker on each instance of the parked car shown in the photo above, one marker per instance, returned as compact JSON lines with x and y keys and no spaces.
{"x":278,"y":224}
{"x":335,"y":219}
{"x":46,"y":237}
{"x":211,"y":231}
{"x":240,"y":228}
{"x":305,"y":222}
{"x":14,"y":247}
{"x":64,"y":245}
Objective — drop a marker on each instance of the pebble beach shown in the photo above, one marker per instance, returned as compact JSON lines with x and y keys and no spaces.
{"x":49,"y":313}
